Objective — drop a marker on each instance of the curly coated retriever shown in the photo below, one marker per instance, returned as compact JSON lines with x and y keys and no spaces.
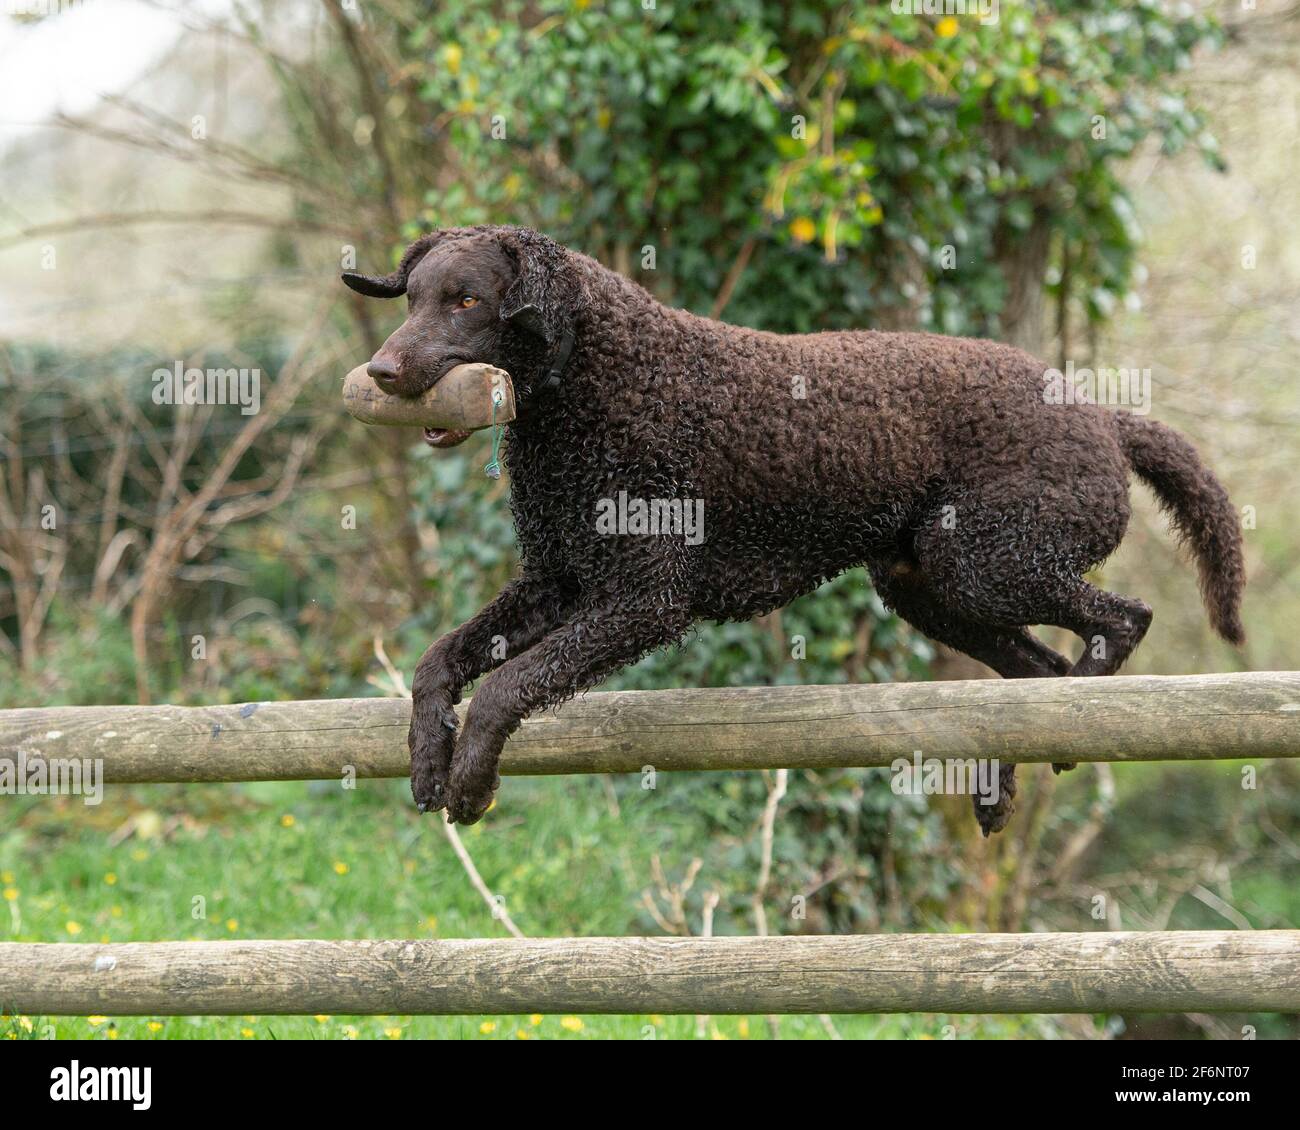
{"x":976,"y":503}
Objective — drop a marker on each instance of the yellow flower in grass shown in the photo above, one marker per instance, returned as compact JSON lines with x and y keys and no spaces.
{"x":96,"y":1021}
{"x":73,"y":928}
{"x":11,"y":894}
{"x":393,"y":1033}
{"x":6,"y":876}
{"x":487,"y":1027}
{"x":232,"y":924}
{"x":247,"y":1033}
{"x":287,"y":820}
{"x":946,"y":28}
{"x":340,"y":868}
{"x":25,"y":1023}
{"x":571,"y":1024}
{"x":112,"y":1033}
{"x":535,"y":1019}
{"x":743,"y":1027}
{"x":155,"y":1026}
{"x":322,"y":1019}
{"x":110,"y":878}
{"x":803,"y":230}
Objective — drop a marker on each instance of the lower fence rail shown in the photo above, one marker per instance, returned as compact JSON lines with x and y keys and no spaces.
{"x":1158,"y":971}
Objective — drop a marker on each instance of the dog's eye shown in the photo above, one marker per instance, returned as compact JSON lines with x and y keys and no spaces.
{"x":467,"y":300}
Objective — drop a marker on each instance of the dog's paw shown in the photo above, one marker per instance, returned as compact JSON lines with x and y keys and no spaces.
{"x":996,"y":816}
{"x":468,"y":807}
{"x":431,"y":741}
{"x":474,"y":782}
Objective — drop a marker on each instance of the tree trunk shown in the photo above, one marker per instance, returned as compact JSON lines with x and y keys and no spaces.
{"x":1023,"y":257}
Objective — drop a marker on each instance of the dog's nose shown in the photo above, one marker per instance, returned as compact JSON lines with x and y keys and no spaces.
{"x":383,"y":372}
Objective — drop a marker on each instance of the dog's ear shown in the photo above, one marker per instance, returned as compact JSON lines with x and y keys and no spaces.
{"x":394,"y":285}
{"x":542,"y":299}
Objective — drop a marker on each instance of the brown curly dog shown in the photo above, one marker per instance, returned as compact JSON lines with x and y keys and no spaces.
{"x":976,"y":503}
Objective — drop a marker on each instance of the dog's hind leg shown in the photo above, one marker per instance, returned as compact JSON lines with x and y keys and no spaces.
{"x":1110,"y":625}
{"x":1002,"y":555}
{"x":1014,"y":653}
{"x":996,"y":556}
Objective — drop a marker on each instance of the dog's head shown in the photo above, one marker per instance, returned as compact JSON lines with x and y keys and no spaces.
{"x":504,"y":296}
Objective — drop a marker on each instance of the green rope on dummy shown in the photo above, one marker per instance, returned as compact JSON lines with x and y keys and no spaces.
{"x":493,"y":468}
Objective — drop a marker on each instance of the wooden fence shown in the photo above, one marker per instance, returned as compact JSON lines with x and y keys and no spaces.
{"x":1139,"y":718}
{"x":1252,"y":715}
{"x":1167,"y":971}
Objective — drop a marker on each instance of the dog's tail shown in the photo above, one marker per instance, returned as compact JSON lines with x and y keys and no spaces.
{"x":1201,"y":512}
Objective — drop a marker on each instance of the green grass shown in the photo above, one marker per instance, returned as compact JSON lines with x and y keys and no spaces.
{"x":315,"y":861}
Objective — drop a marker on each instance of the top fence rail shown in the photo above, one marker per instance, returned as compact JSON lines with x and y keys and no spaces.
{"x":1123,"y":718}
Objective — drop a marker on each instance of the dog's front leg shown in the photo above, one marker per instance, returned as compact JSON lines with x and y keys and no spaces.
{"x":521,"y":614}
{"x":598,"y":640}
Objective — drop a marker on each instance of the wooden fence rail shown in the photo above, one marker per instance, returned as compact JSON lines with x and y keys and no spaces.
{"x":1250,"y":715}
{"x":1128,"y":718}
{"x":1174,"y":971}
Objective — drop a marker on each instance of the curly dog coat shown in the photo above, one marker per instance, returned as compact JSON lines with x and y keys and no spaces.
{"x":936,"y":462}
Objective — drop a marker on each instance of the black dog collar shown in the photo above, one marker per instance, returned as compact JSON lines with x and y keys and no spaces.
{"x":558,"y":361}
